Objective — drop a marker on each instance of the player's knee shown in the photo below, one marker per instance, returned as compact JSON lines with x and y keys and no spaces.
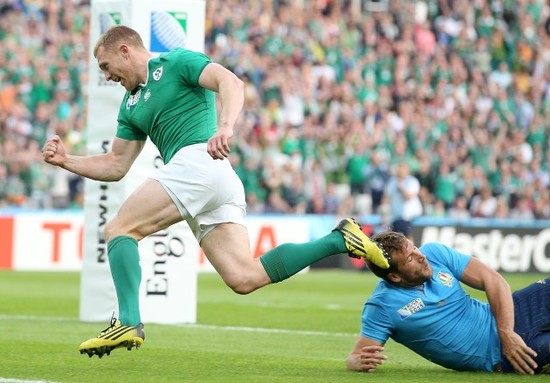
{"x":241,"y":285}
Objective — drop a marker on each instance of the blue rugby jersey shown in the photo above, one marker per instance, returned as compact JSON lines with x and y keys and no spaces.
{"x":437,"y":320}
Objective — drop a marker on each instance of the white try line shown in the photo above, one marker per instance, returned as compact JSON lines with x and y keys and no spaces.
{"x":10,"y":380}
{"x":34,"y":317}
{"x":198,"y":326}
{"x":268,"y":330}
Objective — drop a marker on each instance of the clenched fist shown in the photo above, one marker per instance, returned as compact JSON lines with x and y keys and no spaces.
{"x":53,"y":151}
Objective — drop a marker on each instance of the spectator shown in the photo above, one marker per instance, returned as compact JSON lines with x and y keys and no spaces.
{"x":542,"y":205}
{"x":502,"y":209}
{"x":14,"y":187}
{"x":253,"y":204}
{"x":501,"y":76}
{"x":3,"y":185}
{"x":444,"y":189}
{"x":275,"y":204}
{"x":402,"y":197}
{"x":293,"y":193}
{"x":332,"y":201}
{"x":484,"y":204}
{"x":459,"y":211}
{"x":355,"y":168}
{"x":376,"y":174}
{"x":523,"y":210}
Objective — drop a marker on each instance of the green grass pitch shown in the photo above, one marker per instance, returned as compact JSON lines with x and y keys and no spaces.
{"x":297,"y":331}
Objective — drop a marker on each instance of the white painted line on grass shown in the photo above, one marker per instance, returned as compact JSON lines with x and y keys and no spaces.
{"x":268,"y":330}
{"x":34,"y":317}
{"x":195,"y":325}
{"x":10,"y":380}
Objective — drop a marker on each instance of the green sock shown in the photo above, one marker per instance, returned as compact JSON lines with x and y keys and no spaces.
{"x":126,"y":271}
{"x":287,"y":259}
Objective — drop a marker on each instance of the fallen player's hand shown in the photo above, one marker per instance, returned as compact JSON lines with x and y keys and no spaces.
{"x":371,"y":358}
{"x":518,"y":353}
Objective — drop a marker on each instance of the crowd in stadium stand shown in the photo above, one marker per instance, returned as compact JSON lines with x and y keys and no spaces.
{"x":339,"y":95}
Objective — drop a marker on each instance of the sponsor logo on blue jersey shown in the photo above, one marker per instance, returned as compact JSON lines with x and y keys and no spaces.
{"x":168,"y":30}
{"x":411,"y":308}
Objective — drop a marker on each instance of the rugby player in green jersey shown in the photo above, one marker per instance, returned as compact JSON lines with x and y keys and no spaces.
{"x":172,"y":100}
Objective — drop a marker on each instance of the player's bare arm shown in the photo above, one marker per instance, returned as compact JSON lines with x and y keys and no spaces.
{"x":231,"y":92}
{"x":366,"y":356}
{"x":481,"y":277}
{"x":110,"y":166}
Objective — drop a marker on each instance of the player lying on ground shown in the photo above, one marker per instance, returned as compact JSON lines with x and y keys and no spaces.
{"x":171,"y":100}
{"x":420,"y":303}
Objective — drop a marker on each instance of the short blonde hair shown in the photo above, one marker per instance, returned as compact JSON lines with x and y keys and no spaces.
{"x":116,"y":35}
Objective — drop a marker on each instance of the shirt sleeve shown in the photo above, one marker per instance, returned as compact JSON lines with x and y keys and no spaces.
{"x":191,"y":64}
{"x":375,"y":323}
{"x":126,"y":132}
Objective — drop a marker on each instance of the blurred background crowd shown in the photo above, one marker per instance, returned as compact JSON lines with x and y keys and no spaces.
{"x":399,"y":108}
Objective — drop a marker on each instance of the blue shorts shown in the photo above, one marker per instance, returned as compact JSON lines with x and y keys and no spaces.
{"x":532,"y":322}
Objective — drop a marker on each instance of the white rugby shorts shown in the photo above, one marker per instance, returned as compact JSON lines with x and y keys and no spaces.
{"x":207,"y":192}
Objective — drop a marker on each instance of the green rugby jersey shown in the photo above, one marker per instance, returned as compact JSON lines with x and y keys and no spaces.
{"x":171,"y":108}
